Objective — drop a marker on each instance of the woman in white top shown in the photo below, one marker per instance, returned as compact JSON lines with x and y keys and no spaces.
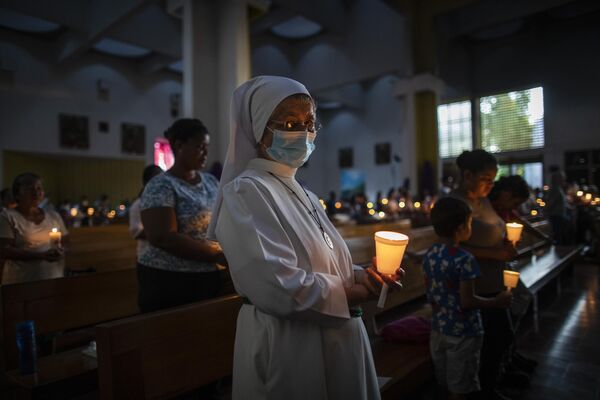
{"x":25,"y":235}
{"x":299,"y":334}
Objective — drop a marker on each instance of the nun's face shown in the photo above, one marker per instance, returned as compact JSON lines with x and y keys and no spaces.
{"x":294,"y":113}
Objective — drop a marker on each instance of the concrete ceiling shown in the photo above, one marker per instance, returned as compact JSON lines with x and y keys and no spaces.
{"x":148,"y":32}
{"x":490,"y":19}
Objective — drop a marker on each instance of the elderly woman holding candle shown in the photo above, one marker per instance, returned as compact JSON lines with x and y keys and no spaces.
{"x":31,"y":238}
{"x":487,"y":243}
{"x":299,"y":333}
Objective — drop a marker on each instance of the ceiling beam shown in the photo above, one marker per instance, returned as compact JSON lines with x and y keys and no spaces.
{"x":53,"y":11}
{"x":273,"y":17}
{"x":102,"y":16}
{"x":152,"y":29}
{"x":331,"y":15}
{"x":155,"y":63}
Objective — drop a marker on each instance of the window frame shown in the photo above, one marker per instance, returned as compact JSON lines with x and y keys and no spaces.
{"x":461,"y":99}
{"x":504,"y":157}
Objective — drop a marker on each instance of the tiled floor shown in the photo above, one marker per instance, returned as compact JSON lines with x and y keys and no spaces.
{"x":568,"y":344}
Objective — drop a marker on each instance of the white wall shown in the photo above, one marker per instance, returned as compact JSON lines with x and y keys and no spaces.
{"x":379,"y":122}
{"x":374,"y":46}
{"x":42,"y":89}
{"x":564,"y":58}
{"x":340,"y":65}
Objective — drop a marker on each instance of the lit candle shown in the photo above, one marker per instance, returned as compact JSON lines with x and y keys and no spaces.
{"x":389,"y":249}
{"x":511,"y":279}
{"x":55,"y":237}
{"x":513,"y":232}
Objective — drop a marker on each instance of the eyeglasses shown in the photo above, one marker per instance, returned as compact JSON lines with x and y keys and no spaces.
{"x":294,"y":126}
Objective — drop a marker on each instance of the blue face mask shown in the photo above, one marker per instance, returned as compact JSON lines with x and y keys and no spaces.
{"x":291,"y":148}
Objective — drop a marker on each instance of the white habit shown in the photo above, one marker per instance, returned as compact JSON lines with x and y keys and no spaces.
{"x":297,"y":339}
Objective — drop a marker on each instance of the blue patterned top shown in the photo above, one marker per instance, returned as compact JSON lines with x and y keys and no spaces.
{"x":445,"y":267}
{"x":192,"y":204}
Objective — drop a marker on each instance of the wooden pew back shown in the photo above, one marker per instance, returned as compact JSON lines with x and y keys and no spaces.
{"x":104,"y":248}
{"x":363,"y":249}
{"x":66,"y":303}
{"x":166,"y":353}
{"x":530,"y":241}
{"x":360,"y":230}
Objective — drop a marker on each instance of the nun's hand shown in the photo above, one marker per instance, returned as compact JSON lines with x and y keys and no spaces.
{"x":366,"y":278}
{"x":393,"y":281}
{"x":357,"y":293}
{"x":221,"y":260}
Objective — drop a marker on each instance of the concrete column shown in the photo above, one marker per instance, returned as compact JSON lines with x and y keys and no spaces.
{"x":421,"y":93}
{"x":409,"y":163}
{"x":216,"y":59}
{"x":426,"y":140}
{"x":233,"y":60}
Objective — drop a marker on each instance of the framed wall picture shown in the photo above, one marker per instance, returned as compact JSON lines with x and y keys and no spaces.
{"x":74,"y":131}
{"x":133,"y":139}
{"x":383,"y":153}
{"x":346,"y":157}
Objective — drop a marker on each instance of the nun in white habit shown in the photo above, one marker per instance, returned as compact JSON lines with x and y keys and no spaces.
{"x":298,"y":335}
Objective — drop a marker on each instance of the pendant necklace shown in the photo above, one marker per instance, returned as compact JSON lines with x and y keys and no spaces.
{"x":314,"y":216}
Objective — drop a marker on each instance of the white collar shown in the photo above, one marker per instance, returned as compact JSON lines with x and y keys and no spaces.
{"x":262,"y":164}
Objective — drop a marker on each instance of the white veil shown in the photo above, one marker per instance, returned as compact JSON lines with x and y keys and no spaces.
{"x":251,"y":106}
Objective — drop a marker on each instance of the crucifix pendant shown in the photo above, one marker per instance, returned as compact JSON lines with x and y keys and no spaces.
{"x":328,"y":240}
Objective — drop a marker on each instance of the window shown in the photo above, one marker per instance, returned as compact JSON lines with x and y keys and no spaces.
{"x":454,"y":128}
{"x":532,"y":172}
{"x":512,"y":121}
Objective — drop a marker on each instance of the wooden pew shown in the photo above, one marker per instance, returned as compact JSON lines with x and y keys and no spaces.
{"x":104,"y":248}
{"x":58,"y":305}
{"x":167,"y":353}
{"x":542,"y":267}
{"x":403,"y":367}
{"x":363,"y":230}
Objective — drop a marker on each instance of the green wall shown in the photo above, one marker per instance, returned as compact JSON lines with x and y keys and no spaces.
{"x":70,"y":178}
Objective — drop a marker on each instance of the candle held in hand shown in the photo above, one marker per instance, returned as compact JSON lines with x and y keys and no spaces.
{"x":513,"y":232}
{"x":55,"y":236}
{"x":389,"y":250}
{"x":511,"y":279}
